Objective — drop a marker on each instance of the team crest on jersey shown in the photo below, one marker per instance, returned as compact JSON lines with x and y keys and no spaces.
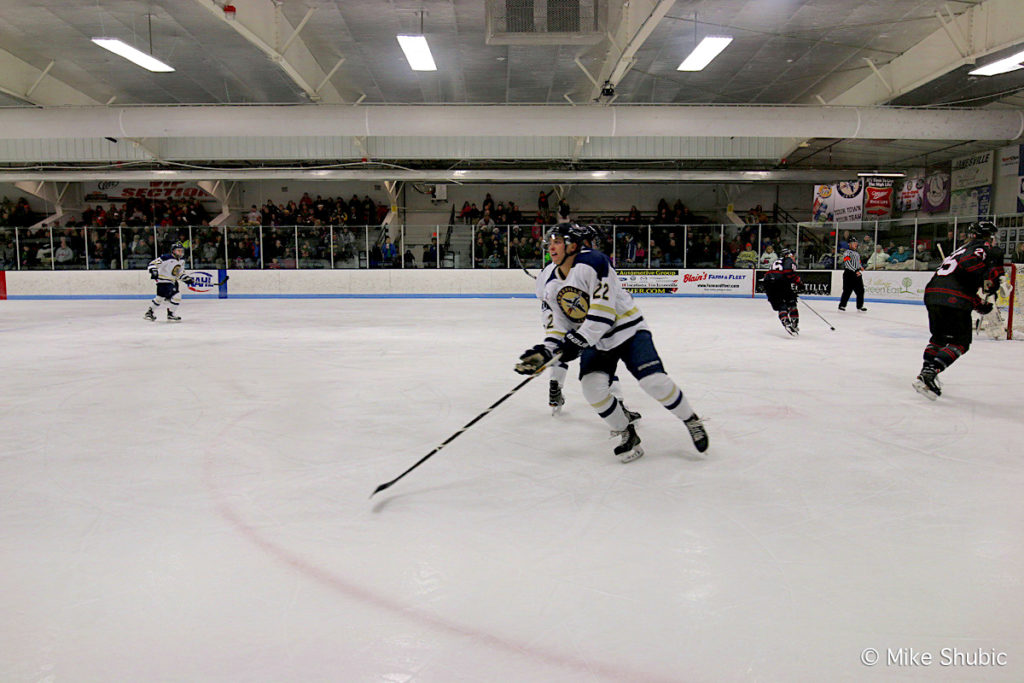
{"x":574,"y":303}
{"x":176,"y":271}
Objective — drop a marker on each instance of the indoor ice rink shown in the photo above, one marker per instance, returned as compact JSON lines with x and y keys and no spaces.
{"x":191,"y":501}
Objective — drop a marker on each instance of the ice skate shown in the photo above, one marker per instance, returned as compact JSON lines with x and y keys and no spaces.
{"x":172,"y":318}
{"x":555,"y":398}
{"x":790,"y":327}
{"x":631,"y":415}
{"x":628,"y":449}
{"x":697,"y":433}
{"x":927,"y":383}
{"x":149,"y":315}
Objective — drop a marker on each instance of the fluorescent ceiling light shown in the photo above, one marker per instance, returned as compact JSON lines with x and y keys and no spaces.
{"x":123,"y":49}
{"x":702,"y":55}
{"x":1011,"y":63}
{"x":877,"y":174}
{"x":417,"y":52}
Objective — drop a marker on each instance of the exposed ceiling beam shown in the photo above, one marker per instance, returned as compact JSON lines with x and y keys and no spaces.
{"x":261,"y":22}
{"x":965,"y":39}
{"x":638,"y":20}
{"x":25,"y":82}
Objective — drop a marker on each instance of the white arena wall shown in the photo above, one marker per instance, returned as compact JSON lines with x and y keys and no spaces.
{"x":882,"y":286}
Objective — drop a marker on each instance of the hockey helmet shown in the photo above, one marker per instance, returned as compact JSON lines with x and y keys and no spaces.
{"x":175,"y":247}
{"x":786,"y":252}
{"x":572,"y":233}
{"x":983,"y":229}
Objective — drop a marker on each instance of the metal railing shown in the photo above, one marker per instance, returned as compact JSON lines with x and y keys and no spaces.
{"x":907,"y":244}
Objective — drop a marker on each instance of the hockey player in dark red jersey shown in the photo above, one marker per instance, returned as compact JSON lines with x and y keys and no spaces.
{"x":951,"y":295}
{"x":781,"y":285}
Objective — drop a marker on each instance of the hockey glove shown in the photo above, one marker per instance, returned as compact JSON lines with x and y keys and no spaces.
{"x":188,"y":280}
{"x":985,"y":307}
{"x":533,"y":359}
{"x":153,"y":274}
{"x":572,"y":345}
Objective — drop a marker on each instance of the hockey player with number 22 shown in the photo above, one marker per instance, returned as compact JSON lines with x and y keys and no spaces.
{"x":168,"y":270}
{"x":951,"y":295}
{"x":598,"y":322}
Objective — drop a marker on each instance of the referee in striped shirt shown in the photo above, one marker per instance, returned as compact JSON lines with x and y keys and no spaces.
{"x":853,"y":280}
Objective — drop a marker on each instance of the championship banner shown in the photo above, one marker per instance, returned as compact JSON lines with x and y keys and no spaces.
{"x":848,"y":200}
{"x":1009,"y":160}
{"x":116,"y":191}
{"x":973,"y":170}
{"x":974,"y":203}
{"x":823,"y":210}
{"x":878,"y":197}
{"x":936,"y":191}
{"x":816,"y":282}
{"x":910,"y":196}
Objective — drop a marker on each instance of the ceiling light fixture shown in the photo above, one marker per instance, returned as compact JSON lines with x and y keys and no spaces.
{"x":123,"y":49}
{"x":708,"y":49}
{"x":881,"y":174}
{"x":1001,"y":66}
{"x":417,"y":52}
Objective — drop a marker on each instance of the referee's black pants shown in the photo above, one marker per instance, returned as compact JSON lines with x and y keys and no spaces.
{"x":852,"y":283}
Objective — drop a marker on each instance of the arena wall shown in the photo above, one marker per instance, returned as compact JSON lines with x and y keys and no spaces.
{"x":891,"y":286}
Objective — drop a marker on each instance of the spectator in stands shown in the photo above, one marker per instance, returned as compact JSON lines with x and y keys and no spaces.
{"x":563,"y":210}
{"x":923,"y":256}
{"x":430,"y":254}
{"x":767,"y":257}
{"x":1018,"y":255}
{"x":900,"y":259}
{"x":878,"y":260}
{"x":945,"y":246}
{"x":485,"y":222}
{"x":748,"y":257}
{"x":634,"y":217}
{"x":254,"y":217}
{"x":866,"y":248}
{"x":64,"y":255}
{"x":389,"y":253}
{"x":542,"y":202}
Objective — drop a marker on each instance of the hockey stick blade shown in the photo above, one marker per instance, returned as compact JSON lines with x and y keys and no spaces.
{"x":819,"y":315}
{"x":469,"y":424}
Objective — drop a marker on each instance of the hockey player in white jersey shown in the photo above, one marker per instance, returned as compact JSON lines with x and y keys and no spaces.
{"x":598,"y":321}
{"x":558,"y":370}
{"x":168,"y":270}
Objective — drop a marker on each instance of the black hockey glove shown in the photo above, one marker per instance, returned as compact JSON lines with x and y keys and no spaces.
{"x":188,"y":280}
{"x":153,"y":274}
{"x":533,"y":359}
{"x":572,"y":345}
{"x":985,"y":307}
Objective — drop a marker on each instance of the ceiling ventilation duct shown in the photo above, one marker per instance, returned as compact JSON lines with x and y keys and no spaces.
{"x":546,"y":22}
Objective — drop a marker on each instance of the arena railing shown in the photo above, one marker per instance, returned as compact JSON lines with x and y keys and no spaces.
{"x":909,"y":244}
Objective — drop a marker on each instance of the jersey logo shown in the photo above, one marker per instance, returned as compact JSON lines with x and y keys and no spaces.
{"x":176,"y":271}
{"x":574,"y":303}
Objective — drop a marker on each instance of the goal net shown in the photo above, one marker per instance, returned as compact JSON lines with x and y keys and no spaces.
{"x":1006,"y":321}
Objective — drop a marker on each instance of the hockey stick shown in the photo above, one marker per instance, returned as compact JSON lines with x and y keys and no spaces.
{"x":520,"y":263}
{"x":817,"y":314}
{"x":469,"y":424}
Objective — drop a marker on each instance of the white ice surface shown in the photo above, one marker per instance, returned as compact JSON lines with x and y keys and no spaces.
{"x":190,"y":502}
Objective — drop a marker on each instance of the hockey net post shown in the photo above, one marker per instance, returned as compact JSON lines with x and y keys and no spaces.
{"x":1007,"y":318}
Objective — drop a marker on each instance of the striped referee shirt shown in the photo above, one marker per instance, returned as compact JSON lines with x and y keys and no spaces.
{"x":851,"y":261}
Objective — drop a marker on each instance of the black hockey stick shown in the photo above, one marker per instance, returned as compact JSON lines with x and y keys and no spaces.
{"x":520,"y":263}
{"x":818,"y":314}
{"x":468,"y":424}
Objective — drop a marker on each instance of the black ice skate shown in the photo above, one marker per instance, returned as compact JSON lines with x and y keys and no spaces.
{"x":697,"y":433}
{"x":172,"y":318}
{"x":790,"y":327}
{"x":628,"y":449}
{"x":149,"y":315}
{"x":555,"y":398}
{"x":927,"y":383}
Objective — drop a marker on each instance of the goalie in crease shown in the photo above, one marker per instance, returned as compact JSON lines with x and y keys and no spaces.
{"x":595,"y":319}
{"x":168,"y":270}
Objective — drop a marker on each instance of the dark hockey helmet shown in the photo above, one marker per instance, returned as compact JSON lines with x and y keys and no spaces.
{"x":982,"y":229}
{"x":574,"y":233}
{"x":174,"y":249}
{"x":786,"y":252}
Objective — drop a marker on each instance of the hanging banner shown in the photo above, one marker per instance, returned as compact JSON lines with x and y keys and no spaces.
{"x":823,"y":210}
{"x":936,"y":190}
{"x":973,"y":203}
{"x":848,"y":200}
{"x":973,"y":170}
{"x":910,"y":196}
{"x":878,"y":197}
{"x":1009,"y":160}
{"x":116,"y":191}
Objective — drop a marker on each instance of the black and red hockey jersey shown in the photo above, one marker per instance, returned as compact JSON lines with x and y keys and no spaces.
{"x":782,"y":270}
{"x":962,"y":273}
